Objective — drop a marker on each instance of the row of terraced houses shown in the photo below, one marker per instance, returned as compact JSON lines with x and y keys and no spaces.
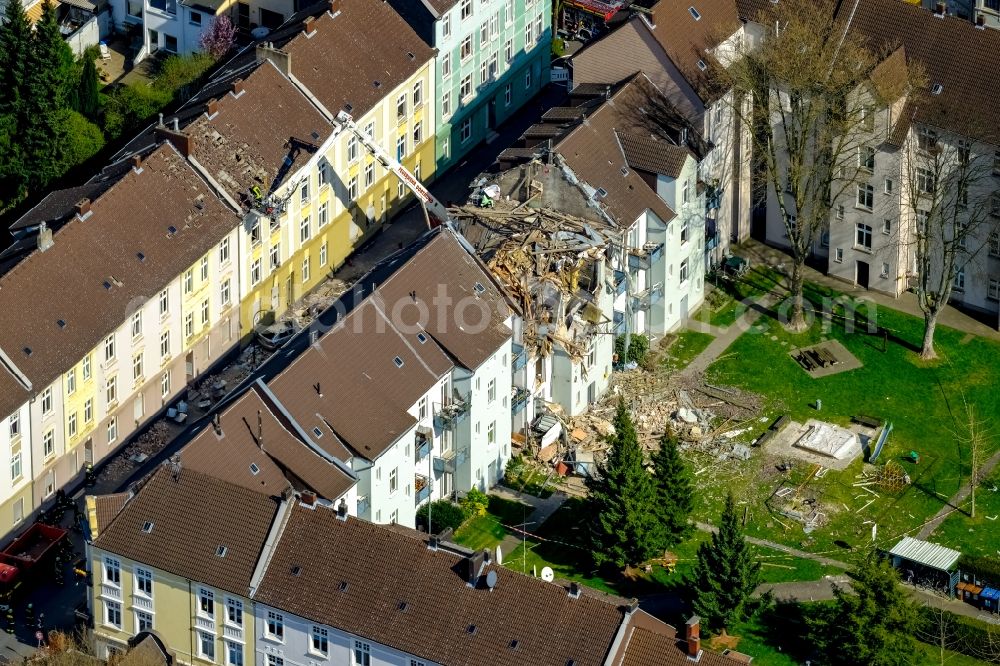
{"x":130,"y":286}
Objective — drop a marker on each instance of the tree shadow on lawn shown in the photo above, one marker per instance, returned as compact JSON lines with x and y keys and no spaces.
{"x":785,"y":627}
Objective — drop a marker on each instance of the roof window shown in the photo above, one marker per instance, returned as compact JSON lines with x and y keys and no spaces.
{"x":936,"y":89}
{"x":471,"y":629}
{"x":140,"y":256}
{"x":694,"y":13}
{"x":254,"y":469}
{"x":171,"y":230}
{"x":317,"y":431}
{"x":398,"y":361}
{"x":422,"y":338}
{"x":147,"y":527}
{"x":479,"y":287}
{"x":296,"y":570}
{"x":702,"y":66}
{"x":221,"y":551}
{"x":343,"y":586}
{"x":601,"y":192}
{"x":61,"y":323}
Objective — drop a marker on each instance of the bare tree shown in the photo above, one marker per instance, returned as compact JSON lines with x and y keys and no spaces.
{"x":938,"y":629}
{"x":950,"y":192}
{"x":810,"y":81}
{"x":975,"y":435}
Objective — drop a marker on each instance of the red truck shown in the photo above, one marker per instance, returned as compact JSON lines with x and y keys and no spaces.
{"x":25,"y":553}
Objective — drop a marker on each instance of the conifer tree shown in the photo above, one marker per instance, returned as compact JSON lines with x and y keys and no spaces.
{"x":626,"y":528}
{"x":15,"y":42}
{"x":674,"y":490}
{"x":87,"y":90}
{"x":725,"y":574}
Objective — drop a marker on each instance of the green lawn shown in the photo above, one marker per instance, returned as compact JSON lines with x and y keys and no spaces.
{"x":685,"y":347}
{"x":728,"y":301}
{"x":528,"y":477}
{"x":487,"y":531}
{"x":974,"y":536}
{"x":780,"y":567}
{"x":922,"y":400}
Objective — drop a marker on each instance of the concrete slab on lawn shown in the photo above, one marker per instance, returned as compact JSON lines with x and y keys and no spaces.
{"x":836,"y":356}
{"x":820,"y":443}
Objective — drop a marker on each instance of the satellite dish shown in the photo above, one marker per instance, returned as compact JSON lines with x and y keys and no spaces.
{"x":491,"y":579}
{"x":499,"y":555}
{"x":548,"y":575}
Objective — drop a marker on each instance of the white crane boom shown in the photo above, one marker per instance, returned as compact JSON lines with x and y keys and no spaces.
{"x":434,"y":207}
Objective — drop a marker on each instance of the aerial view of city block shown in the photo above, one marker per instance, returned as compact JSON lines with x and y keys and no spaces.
{"x":499,"y":332}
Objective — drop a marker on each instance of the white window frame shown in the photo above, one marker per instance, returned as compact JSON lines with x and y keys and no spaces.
{"x":206,"y":595}
{"x":142,"y":579}
{"x":274,"y":626}
{"x":319,"y":641}
{"x":112,"y":614}
{"x":234,"y":608}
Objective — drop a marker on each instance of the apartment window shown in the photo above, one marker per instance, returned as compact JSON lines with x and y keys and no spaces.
{"x":684,"y":271}
{"x":88,"y":410}
{"x":538,"y":27}
{"x":305,"y":270}
{"x":446,"y":26}
{"x":491,"y":390}
{"x":323,"y":254}
{"x":85,"y":367}
{"x":165,"y":344}
{"x":188,"y":281}
{"x":927,"y":139}
{"x":109,"y":348}
{"x":71,"y":382}
{"x":484,"y":35}
{"x":993,"y":289}
{"x":71,"y":425}
{"x":225,"y":292}
{"x":491,"y":433}
{"x":446,"y":104}
{"x":685,"y":230}
{"x":418,"y":133}
{"x":866,"y":158}
{"x":111,"y":390}
{"x":863,"y":237}
{"x":866,"y":196}
{"x":206,"y":602}
{"x":994,"y":243}
{"x":369,"y":176}
{"x":255,"y":233}
{"x":305,"y":229}
{"x":352,"y":148}
{"x":224,"y":250}
{"x":144,"y":582}
{"x":234,"y":612}
{"x":362,"y":652}
{"x":685,"y":191}
{"x":446,"y":65}
{"x":889,"y":186}
{"x":465,"y":88}
{"x":275,"y":626}
{"x":838,"y":255}
{"x":113,"y":430}
{"x":15,"y":466}
{"x":304,"y":193}
{"x":465,"y":132}
{"x":925,"y":180}
{"x":959,"y":282}
{"x":886,"y":227}
{"x":203,"y":269}
{"x":112,"y":572}
{"x":275,"y":256}
{"x":206,"y":645}
{"x":14,"y":425}
{"x":394,"y":480}
{"x":508,"y":51}
{"x":204,"y":312}
{"x":164,"y":302}
{"x":401,"y":106}
{"x":466,"y":10}
{"x":508,"y":11}
{"x":320,"y":641}
{"x":47,"y":401}
{"x":529,"y":34}
{"x":494,"y":26}
{"x":234,"y":654}
{"x":465,"y":49}
{"x":527,"y":79}
{"x":48,"y":443}
{"x":422,"y":408}
{"x":275,"y":661}
{"x":137,"y":366}
{"x":323,"y":175}
{"x":400,"y":147}
{"x":418,"y":93}
{"x":840,"y":212}
{"x":143,"y":621}
{"x":885,"y":269}
{"x":188,"y":324}
{"x":136,"y":324}
{"x":113,"y":614}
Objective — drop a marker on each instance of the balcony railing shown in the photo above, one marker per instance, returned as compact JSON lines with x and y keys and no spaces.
{"x":648,"y":297}
{"x":204,"y":623}
{"x":451,"y":414}
{"x":520,"y":357}
{"x":621,"y":284}
{"x":642,"y":258}
{"x":363,"y":505}
{"x":111,"y":591}
{"x":234,"y":633}
{"x":142,"y":603}
{"x":422,"y":485}
{"x":519,"y":399}
{"x":449,"y":461}
{"x":619,"y":327}
{"x":423,"y":449}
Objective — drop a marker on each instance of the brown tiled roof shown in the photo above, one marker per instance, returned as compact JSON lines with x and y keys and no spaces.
{"x":593,"y":152}
{"x":253,"y":134}
{"x":890,"y":76}
{"x":107,"y":507}
{"x":650,"y":642}
{"x":339,"y":65}
{"x":363,"y":396}
{"x":192,"y":517}
{"x":648,"y":153}
{"x":686,"y":40}
{"x":550,"y":628}
{"x":92,"y":277}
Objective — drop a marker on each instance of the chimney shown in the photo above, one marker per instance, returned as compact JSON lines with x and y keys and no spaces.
{"x":82,"y":207}
{"x":940,"y":9}
{"x":335,"y":6}
{"x":574,"y":590}
{"x":238,"y":87}
{"x":217,"y":424}
{"x":341,"y":510}
{"x":692,"y":637}
{"x":309,"y":25}
{"x":181,"y":141}
{"x":633,"y":605}
{"x":44,"y":237}
{"x":309,"y":499}
{"x":486,"y":556}
{"x":278,"y":58}
{"x":136,"y":161}
{"x":212,"y":107}
{"x":432,"y":544}
{"x":473,"y":567}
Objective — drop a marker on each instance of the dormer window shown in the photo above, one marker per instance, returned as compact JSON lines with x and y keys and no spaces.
{"x":694,"y":13}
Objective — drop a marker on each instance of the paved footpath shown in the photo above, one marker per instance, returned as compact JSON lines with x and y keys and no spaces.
{"x":542,"y":509}
{"x":957,"y":499}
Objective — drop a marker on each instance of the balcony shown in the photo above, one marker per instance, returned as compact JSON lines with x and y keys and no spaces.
{"x":519,"y":398}
{"x":111,"y":591}
{"x":621,"y":284}
{"x":423,"y":448}
{"x":205,"y":623}
{"x":422,"y":486}
{"x":142,"y":603}
{"x":520,"y":357}
{"x":449,"y":415}
{"x":647,"y":298}
{"x":711,"y":234}
{"x":363,"y":505}
{"x":642,"y":258}
{"x":619,"y":327}
{"x":449,"y":461}
{"x":233,"y":633}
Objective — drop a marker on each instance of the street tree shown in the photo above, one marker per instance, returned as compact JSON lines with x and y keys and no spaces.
{"x":726,"y":573}
{"x":811,"y":91}
{"x":674,"y":490}
{"x":873,"y":622}
{"x":626,"y":528}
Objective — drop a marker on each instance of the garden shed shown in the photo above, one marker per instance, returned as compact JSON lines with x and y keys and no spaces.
{"x":925,"y":563}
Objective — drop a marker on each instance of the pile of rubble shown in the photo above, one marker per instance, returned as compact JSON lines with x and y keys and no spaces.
{"x":142,"y":448}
